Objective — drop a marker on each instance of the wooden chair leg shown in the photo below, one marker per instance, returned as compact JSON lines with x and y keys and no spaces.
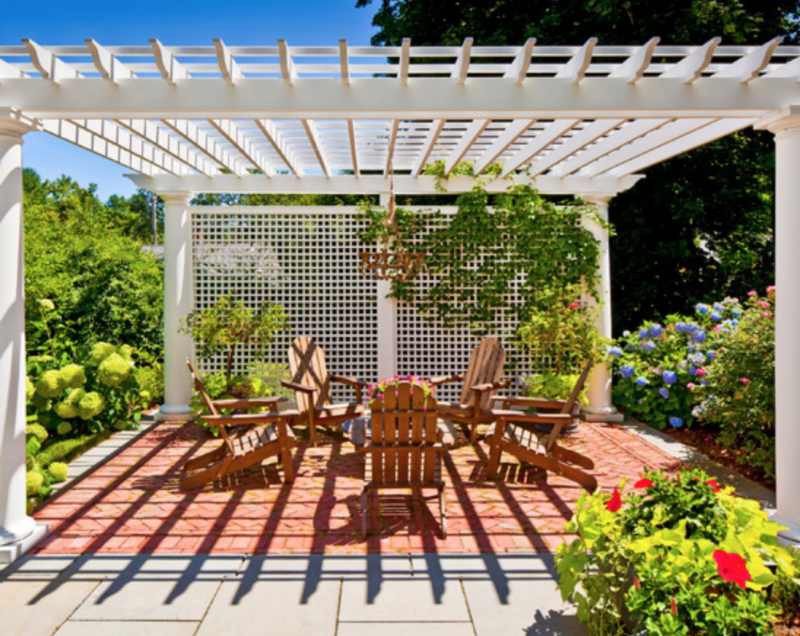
{"x":205,"y":459}
{"x":473,"y":432}
{"x":492,"y":470}
{"x":364,"y":511}
{"x":312,"y":427}
{"x":443,"y":512}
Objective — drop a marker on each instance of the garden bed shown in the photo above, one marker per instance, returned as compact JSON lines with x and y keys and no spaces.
{"x":704,"y":440}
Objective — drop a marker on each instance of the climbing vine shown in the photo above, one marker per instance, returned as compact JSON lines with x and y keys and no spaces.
{"x":477,"y":256}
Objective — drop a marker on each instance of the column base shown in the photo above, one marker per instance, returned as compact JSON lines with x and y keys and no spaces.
{"x":174,"y":413}
{"x":602,"y":414}
{"x":790,"y":536}
{"x":10,"y":552}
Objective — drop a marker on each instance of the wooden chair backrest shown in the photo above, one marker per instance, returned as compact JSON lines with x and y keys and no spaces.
{"x":201,"y":389}
{"x":485,"y":367}
{"x":404,"y":418}
{"x":569,"y":405}
{"x":307,"y":365}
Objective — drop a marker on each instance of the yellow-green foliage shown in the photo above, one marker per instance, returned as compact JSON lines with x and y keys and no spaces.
{"x":41,"y":403}
{"x":58,"y":471}
{"x":64,"y":428}
{"x":100,"y":352}
{"x":29,"y":389}
{"x":75,"y":396}
{"x":114,"y":370}
{"x":91,"y":404}
{"x":50,"y":384}
{"x":33,"y":483}
{"x":126,"y":351}
{"x":72,"y":376}
{"x":66,"y":410}
{"x":38,"y":431}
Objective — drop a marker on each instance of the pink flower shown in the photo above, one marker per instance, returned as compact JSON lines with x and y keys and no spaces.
{"x":752,"y":292}
{"x":701,"y":372}
{"x":715,"y":328}
{"x":615,"y":503}
{"x":744,"y":380}
{"x":575,"y":305}
{"x":690,"y":385}
{"x":767,"y":314}
{"x":732,"y":567}
{"x":763,"y":304}
{"x":771,"y":289}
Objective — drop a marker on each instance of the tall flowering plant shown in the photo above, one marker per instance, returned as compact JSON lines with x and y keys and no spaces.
{"x":739,"y":392}
{"x":673,"y":555}
{"x":379,"y":389}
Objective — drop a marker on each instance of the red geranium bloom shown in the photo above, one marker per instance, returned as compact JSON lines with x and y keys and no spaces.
{"x":644,"y":482}
{"x":615,"y":503}
{"x":713,"y":483}
{"x":732,"y":567}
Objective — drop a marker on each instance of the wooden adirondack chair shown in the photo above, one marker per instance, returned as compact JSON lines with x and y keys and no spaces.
{"x":271,"y":436}
{"x":312,"y":386}
{"x":481,"y":382}
{"x":515,"y":433}
{"x":405,"y":448}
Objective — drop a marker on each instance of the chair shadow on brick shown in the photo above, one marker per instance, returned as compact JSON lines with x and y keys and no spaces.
{"x":404,"y":449}
{"x":272,"y":435}
{"x":480,"y":383}
{"x":312,"y":386}
{"x":521,"y":434}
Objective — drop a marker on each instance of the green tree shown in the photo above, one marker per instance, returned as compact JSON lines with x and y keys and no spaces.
{"x":700,"y":224}
{"x":80,"y":255}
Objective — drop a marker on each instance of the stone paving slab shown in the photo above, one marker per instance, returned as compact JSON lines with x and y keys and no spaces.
{"x":277,"y":608}
{"x":38,"y":608}
{"x":148,"y":600}
{"x":404,"y":629}
{"x":132,"y":628}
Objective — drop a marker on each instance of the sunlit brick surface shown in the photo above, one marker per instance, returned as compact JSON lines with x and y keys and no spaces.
{"x":132,"y":504}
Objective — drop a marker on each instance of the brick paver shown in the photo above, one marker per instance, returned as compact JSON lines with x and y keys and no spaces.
{"x":133,"y":504}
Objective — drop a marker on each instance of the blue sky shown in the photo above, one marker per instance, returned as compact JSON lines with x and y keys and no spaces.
{"x":300,"y":22}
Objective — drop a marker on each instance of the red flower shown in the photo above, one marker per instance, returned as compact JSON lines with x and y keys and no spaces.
{"x":575,"y":305}
{"x":674,"y":604}
{"x":644,"y":482}
{"x":732,"y":567}
{"x":615,"y":503}
{"x":713,"y":483}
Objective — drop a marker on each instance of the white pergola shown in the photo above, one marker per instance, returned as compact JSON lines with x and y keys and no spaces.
{"x":582,"y":120}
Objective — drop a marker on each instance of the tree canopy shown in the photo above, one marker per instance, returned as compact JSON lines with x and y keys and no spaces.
{"x":699,"y":225}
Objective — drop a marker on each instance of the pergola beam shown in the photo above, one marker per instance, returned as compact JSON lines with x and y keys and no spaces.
{"x":474,"y":130}
{"x":231,"y":72}
{"x":427,"y":147}
{"x":109,"y":67}
{"x":194,"y":135}
{"x":375,"y":184}
{"x":270,"y":131}
{"x":316,"y":145}
{"x":244,"y":146}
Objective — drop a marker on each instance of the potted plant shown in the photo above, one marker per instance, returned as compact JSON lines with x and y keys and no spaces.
{"x":559,"y":327}
{"x":221,"y":329}
{"x":675,"y":555}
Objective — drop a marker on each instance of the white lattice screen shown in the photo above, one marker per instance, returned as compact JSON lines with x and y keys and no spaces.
{"x":306,"y":259}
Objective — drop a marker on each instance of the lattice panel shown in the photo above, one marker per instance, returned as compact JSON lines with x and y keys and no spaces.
{"x":305,"y":259}
{"x":428,"y":349}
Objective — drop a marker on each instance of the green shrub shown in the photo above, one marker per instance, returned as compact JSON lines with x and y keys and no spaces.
{"x":68,"y":449}
{"x":114,"y":370}
{"x":551,"y":386}
{"x":218,"y":388}
{"x":673,"y":556}
{"x":58,"y":471}
{"x":739,"y":394}
{"x":34,"y":481}
{"x":38,"y":431}
{"x":72,"y":376}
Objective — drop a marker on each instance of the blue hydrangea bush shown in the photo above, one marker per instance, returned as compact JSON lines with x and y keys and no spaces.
{"x":659,"y":366}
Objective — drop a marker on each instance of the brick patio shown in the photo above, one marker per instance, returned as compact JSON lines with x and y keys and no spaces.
{"x":132,"y":503}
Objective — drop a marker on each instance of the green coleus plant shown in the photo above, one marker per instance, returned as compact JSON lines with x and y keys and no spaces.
{"x":673,"y":555}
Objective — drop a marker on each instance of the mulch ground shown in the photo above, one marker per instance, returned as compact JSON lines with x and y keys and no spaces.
{"x":705,"y":441}
{"x":133,"y":504}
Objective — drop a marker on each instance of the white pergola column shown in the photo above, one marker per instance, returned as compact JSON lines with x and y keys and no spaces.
{"x":15,"y":524}
{"x":600,"y":408}
{"x":387,"y":323}
{"x":786,"y":127}
{"x":178,"y":291}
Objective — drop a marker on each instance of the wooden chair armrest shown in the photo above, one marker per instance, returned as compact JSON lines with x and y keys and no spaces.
{"x":296,"y":386}
{"x":249,"y":418}
{"x":537,"y":403}
{"x":248,"y":403}
{"x":445,"y":379}
{"x":349,"y":381}
{"x":490,"y":386}
{"x":533,"y":418}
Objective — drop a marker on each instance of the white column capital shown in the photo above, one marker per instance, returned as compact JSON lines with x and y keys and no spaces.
{"x":13,"y":124}
{"x":781,"y":121}
{"x":176,"y":197}
{"x":599,"y":199}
